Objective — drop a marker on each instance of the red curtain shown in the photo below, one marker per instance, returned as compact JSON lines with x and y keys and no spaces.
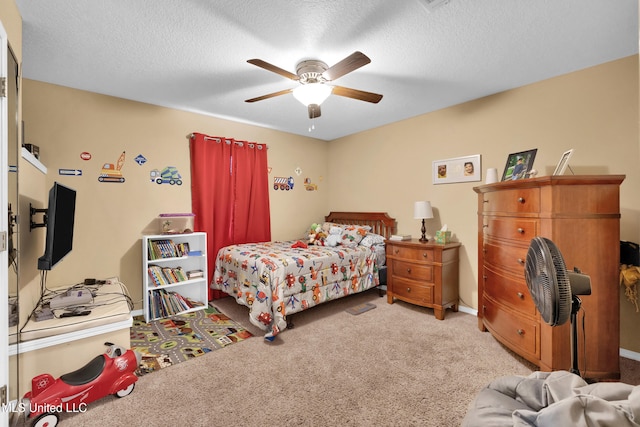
{"x":229,"y":193}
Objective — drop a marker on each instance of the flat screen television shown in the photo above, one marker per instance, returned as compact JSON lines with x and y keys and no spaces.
{"x":59,"y":219}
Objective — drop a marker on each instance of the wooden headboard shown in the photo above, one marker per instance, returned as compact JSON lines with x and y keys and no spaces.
{"x":380,"y":222}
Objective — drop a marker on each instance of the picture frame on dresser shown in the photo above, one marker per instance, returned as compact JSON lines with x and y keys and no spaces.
{"x":519,"y":165}
{"x":563,"y":163}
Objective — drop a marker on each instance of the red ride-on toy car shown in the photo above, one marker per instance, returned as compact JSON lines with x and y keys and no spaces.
{"x":110,"y":373}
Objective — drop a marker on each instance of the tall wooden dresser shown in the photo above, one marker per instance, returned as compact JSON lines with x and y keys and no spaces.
{"x":581,"y":215}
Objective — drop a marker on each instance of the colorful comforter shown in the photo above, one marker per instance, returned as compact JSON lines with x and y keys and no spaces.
{"x":275,"y":279}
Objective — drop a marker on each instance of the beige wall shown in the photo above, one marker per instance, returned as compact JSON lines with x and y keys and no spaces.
{"x":110,"y":217}
{"x":594,"y":111}
{"x":12,"y":22}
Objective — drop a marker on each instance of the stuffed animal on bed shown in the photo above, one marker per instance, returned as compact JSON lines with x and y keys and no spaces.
{"x":316,"y":235}
{"x":334,"y":237}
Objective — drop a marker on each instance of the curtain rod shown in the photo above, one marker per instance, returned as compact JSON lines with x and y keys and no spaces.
{"x":211,"y":138}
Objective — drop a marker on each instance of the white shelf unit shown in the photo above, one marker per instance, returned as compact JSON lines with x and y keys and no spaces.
{"x":26,"y":154}
{"x":194,"y":289}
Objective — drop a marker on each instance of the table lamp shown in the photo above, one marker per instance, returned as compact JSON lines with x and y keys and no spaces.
{"x":422,"y":210}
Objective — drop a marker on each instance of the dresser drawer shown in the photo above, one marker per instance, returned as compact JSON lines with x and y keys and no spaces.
{"x":413,"y":271}
{"x":521,"y":333}
{"x":525,"y":200}
{"x":508,"y":257}
{"x":518,"y":229}
{"x":417,"y":293}
{"x":509,"y":291}
{"x":410,"y":253}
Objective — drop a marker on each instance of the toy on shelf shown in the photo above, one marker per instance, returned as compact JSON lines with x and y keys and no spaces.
{"x":110,"y":373}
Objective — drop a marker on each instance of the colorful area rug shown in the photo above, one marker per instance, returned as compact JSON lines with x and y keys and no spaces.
{"x":169,"y":341}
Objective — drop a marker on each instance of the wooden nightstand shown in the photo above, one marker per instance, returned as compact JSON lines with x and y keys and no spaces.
{"x":424,"y":274}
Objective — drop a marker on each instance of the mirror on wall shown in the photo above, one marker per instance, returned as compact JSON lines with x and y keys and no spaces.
{"x":13,"y":156}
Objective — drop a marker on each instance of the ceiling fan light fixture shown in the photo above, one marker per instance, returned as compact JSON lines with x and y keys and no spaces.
{"x":312,"y":93}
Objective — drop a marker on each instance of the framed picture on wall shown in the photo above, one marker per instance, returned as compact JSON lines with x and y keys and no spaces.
{"x":519,"y":165}
{"x":458,"y":169}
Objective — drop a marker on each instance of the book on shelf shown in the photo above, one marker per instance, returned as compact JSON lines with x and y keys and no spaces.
{"x":194,"y":274}
{"x":164,"y":303}
{"x":156,"y":275}
{"x":165,"y":248}
{"x":161,"y":276}
{"x":180,"y":274}
{"x":400,"y":237}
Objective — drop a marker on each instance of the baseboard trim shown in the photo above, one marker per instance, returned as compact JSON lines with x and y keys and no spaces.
{"x":630,"y":354}
{"x":467,"y":310}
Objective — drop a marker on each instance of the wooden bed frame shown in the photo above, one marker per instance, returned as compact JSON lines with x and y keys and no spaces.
{"x":380,"y":222}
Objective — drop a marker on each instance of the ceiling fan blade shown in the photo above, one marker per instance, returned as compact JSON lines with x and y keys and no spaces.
{"x":271,"y":95}
{"x":269,"y":67}
{"x":314,"y":111}
{"x":357,"y":94}
{"x":347,"y":65}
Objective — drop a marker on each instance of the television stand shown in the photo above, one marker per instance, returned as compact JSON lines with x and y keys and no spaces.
{"x":60,"y":345}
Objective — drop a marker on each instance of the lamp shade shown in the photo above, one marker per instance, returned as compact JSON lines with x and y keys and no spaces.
{"x":422,"y":210}
{"x":312,"y":93}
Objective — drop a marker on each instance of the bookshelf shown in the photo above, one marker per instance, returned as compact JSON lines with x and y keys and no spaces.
{"x":174,"y":274}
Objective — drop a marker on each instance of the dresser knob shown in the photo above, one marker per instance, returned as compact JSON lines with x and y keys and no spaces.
{"x":520,"y":261}
{"x":485,"y":225}
{"x":425,"y":255}
{"x":485,"y":201}
{"x":520,"y":332}
{"x":408,"y":290}
{"x":520,"y":230}
{"x":520,"y":295}
{"x":521,"y":200}
{"x":397,"y":251}
{"x":408,"y":270}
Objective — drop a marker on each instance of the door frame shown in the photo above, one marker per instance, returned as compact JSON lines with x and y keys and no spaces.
{"x":4,"y":227}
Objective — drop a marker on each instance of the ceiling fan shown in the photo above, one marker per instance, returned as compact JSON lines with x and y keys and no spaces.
{"x":314,"y":76}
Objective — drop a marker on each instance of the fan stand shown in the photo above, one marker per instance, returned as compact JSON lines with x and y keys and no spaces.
{"x":576,"y":303}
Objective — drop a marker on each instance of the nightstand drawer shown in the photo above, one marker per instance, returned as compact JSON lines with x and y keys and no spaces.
{"x":410,"y":253}
{"x":416,"y":293}
{"x":412,"y":271}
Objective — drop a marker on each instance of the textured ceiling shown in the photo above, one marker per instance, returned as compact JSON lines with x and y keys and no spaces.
{"x":191,"y":54}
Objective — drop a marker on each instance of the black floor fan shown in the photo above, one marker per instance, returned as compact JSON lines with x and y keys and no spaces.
{"x":554,"y":289}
